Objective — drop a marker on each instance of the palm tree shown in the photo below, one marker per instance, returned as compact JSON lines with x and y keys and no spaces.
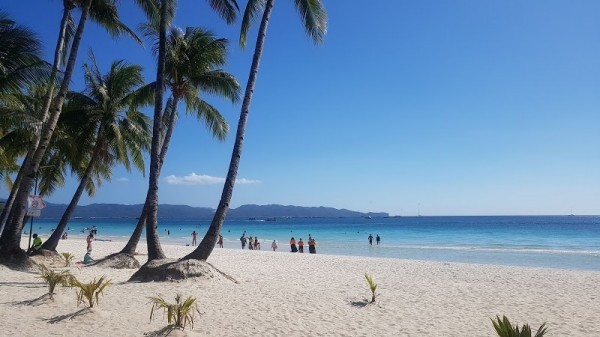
{"x":314,"y":18}
{"x":20,"y":62}
{"x":192,"y":61}
{"x":227,"y":9}
{"x":120,"y":132}
{"x":10,"y":238}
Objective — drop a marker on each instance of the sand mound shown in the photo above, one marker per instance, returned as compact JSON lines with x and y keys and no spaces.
{"x":118,"y":261}
{"x":177,"y":270}
{"x":49,"y":258}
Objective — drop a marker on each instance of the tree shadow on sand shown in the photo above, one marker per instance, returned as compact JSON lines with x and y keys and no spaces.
{"x":60,"y":318}
{"x":44,"y":299}
{"x":359,"y":304}
{"x":170,"y":331}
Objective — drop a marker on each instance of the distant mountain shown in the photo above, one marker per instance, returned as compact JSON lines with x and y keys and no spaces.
{"x":184,"y":211}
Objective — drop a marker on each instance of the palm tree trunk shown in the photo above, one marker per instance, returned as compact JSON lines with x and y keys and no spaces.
{"x":212,"y":234}
{"x":131,"y":245}
{"x":13,"y":191}
{"x":57,"y":53}
{"x":152,"y":239}
{"x":11,"y":236}
{"x":53,"y":240}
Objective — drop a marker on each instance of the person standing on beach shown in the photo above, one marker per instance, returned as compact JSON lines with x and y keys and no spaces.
{"x":301,"y":246}
{"x":378,"y":239}
{"x":370,"y":239}
{"x":194,"y":236}
{"x":89,"y":240}
{"x":274,"y":245}
{"x":311,"y":246}
{"x":256,"y":243}
{"x":293,"y":245}
{"x":243,"y":240}
{"x":250,"y":243}
{"x":220,"y":242}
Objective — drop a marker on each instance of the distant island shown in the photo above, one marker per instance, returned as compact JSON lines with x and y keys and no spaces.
{"x":184,"y":211}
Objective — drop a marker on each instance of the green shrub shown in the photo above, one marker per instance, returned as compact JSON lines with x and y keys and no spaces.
{"x":180,"y":313}
{"x":89,"y":291}
{"x":372,"y":287}
{"x":53,"y":278}
{"x":505,"y":329}
{"x":68,"y":258}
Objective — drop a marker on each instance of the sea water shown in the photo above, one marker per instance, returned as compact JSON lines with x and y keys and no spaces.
{"x":568,"y":242}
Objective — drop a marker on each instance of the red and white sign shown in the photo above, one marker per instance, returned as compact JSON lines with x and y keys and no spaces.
{"x":35,"y":205}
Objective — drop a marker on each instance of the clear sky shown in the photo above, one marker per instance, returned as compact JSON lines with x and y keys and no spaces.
{"x":447,"y":107}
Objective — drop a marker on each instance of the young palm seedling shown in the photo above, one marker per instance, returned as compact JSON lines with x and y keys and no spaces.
{"x":505,"y":329}
{"x":372,"y":287}
{"x":68,"y":258}
{"x":91,"y":291}
{"x":53,"y":278}
{"x":179,"y":314}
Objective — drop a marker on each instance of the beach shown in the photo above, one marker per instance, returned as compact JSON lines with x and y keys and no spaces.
{"x":280,"y":294}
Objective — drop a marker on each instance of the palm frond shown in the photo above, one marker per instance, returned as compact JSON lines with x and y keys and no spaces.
{"x":253,"y":9}
{"x":314,"y":18}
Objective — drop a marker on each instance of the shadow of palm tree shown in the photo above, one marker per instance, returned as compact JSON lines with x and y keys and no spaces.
{"x":169,"y":330}
{"x":36,"y":301}
{"x":58,"y":319}
{"x":23,"y":284}
{"x":359,"y":304}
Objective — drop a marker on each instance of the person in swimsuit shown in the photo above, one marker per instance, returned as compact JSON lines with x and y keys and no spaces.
{"x":301,"y":246}
{"x":293,"y":245}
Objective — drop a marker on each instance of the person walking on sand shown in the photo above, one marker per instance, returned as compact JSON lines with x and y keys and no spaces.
{"x":220,"y":242}
{"x":370,"y":239}
{"x":243,"y":240}
{"x":293,"y":245}
{"x":274,"y":245}
{"x":301,"y":246}
{"x":194,"y":237}
{"x":311,"y":246}
{"x":378,"y":239}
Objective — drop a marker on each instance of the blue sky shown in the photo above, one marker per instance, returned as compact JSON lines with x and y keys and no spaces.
{"x":447,"y":107}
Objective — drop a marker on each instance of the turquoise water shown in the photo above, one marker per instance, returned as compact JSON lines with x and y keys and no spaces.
{"x":568,"y":242}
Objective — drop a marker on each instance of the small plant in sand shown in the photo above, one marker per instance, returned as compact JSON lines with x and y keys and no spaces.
{"x":89,"y":292}
{"x":53,"y":278}
{"x":68,"y":258}
{"x":179,"y":314}
{"x":505,"y":329}
{"x":372,"y":287}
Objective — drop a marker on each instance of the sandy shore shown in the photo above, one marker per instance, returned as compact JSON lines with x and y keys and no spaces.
{"x":312,"y":295}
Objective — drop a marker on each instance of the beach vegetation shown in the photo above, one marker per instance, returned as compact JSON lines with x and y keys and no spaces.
{"x":504,"y":328}
{"x":70,"y":34}
{"x":89,"y":292}
{"x":54,"y":278}
{"x":314,"y":18}
{"x":68,"y":258}
{"x":179,"y":314}
{"x":193,"y":60}
{"x":112,"y":129}
{"x":372,"y":287}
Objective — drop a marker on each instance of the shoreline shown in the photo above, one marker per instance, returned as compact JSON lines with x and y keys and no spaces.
{"x":300,"y":294}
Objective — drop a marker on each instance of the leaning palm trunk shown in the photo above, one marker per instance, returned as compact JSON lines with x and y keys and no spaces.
{"x":212,"y":234}
{"x":11,"y":236}
{"x":13,"y":192}
{"x":53,"y":240}
{"x":48,"y":100}
{"x":131,"y":245}
{"x":152,"y":239}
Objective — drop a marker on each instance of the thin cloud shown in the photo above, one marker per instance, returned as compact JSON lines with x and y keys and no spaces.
{"x":203,"y":179}
{"x":123,"y":180}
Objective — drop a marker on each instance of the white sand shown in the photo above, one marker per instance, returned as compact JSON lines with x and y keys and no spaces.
{"x":312,"y":295}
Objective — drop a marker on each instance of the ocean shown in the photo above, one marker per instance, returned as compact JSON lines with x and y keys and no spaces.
{"x":567,"y":242}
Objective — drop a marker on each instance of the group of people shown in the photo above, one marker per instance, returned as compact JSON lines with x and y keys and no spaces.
{"x":300,"y":249}
{"x":377,"y":239}
{"x":253,"y":243}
